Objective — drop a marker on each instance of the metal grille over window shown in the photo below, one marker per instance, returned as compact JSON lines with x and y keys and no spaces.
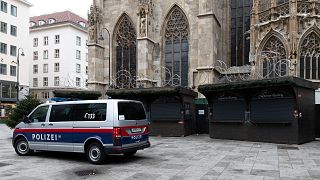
{"x":177,"y":47}
{"x":310,"y":57}
{"x":126,"y":45}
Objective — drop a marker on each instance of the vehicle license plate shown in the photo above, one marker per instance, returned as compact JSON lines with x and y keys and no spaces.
{"x":136,"y":130}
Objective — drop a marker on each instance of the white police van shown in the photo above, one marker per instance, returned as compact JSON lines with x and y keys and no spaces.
{"x":96,"y":128}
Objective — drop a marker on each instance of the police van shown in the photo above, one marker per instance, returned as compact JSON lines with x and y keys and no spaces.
{"x":96,"y":128}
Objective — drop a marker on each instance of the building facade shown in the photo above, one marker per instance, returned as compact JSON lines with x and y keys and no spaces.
{"x":14,"y":52}
{"x":154,"y":43}
{"x":59,"y":53}
{"x":285,"y":38}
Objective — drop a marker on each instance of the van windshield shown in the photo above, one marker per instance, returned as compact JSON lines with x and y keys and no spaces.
{"x":131,"y":111}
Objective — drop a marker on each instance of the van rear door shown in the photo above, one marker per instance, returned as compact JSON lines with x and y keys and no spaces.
{"x":132,"y":122}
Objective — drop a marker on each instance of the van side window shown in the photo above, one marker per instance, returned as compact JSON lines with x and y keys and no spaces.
{"x":39,"y":115}
{"x":131,"y":111}
{"x":89,"y":112}
{"x":60,"y":113}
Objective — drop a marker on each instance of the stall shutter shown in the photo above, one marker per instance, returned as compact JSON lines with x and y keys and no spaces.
{"x":165,"y":111}
{"x":229,"y":111}
{"x":277,"y":110}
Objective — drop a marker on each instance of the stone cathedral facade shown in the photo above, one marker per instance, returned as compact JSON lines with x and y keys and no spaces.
{"x":285,"y":35}
{"x":156,"y":43}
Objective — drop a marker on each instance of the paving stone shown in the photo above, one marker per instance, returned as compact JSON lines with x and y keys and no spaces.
{"x":262,"y":172}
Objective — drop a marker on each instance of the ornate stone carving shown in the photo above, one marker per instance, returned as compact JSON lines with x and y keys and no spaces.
{"x":94,"y":19}
{"x":264,"y":5}
{"x":145,"y":11}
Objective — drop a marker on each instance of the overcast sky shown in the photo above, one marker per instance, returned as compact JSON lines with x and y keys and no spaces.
{"x":79,"y":7}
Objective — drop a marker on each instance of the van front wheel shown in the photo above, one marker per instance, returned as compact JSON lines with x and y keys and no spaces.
{"x":22,"y":148}
{"x":129,"y":154}
{"x":95,"y":153}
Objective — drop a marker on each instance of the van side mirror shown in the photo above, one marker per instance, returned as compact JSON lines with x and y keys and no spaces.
{"x":26,"y":120}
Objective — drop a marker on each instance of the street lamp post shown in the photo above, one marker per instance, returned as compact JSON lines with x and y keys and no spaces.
{"x":18,"y":64}
{"x":101,"y":38}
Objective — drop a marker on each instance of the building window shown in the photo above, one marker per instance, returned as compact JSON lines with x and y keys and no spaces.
{"x":240,"y":32}
{"x":126,"y":45}
{"x":13,"y":30}
{"x":46,"y":40}
{"x":177,"y":47}
{"x":78,"y":81}
{"x":3,"y":27}
{"x":56,"y":53}
{"x":78,"y":54}
{"x":87,"y":70}
{"x":42,"y":22}
{"x":13,"y":70}
{"x":45,"y":54}
{"x":78,"y":68}
{"x":78,"y":41}
{"x":35,"y":42}
{"x":35,"y":55}
{"x":35,"y":82}
{"x":35,"y":69}
{"x":3,"y":69}
{"x":32,"y":24}
{"x":45,"y":68}
{"x":51,"y":21}
{"x":14,"y":11}
{"x":56,"y":67}
{"x":56,"y":81}
{"x":57,"y":39}
{"x":45,"y":95}
{"x":310,"y":57}
{"x":13,"y":50}
{"x":45,"y":81}
{"x":273,"y":58}
{"x":3,"y":48}
{"x":4,"y":6}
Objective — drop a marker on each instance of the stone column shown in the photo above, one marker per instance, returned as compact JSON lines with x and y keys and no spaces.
{"x":145,"y":44}
{"x":96,"y":51}
{"x":209,"y":42}
{"x":293,"y":31}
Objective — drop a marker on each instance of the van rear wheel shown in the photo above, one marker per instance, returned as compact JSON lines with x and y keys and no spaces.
{"x":129,"y":154}
{"x":21,"y":146}
{"x":95,"y":153}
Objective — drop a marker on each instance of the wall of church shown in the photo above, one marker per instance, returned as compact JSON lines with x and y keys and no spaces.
{"x":208,"y":34}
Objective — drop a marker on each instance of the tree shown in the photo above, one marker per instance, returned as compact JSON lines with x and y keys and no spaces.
{"x":23,"y":108}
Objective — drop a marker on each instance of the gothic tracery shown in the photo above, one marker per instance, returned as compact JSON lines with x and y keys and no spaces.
{"x":125,"y":37}
{"x":177,"y":47}
{"x":310,"y":57}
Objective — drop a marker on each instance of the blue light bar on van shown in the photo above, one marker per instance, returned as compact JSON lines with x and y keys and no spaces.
{"x":59,"y":99}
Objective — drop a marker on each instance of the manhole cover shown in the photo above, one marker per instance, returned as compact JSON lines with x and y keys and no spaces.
{"x":4,"y":164}
{"x":288,"y":147}
{"x":87,"y":173}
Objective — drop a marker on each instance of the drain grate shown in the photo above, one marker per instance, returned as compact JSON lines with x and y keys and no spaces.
{"x":4,"y":164}
{"x":90,"y":172}
{"x":288,"y":147}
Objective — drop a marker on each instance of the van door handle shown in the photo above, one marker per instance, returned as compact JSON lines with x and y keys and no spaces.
{"x":43,"y":125}
{"x":50,"y":124}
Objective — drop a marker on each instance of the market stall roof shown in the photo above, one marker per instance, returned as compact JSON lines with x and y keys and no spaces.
{"x":281,"y":81}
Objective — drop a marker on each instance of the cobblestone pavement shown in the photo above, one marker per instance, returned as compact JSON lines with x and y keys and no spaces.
{"x":193,"y":157}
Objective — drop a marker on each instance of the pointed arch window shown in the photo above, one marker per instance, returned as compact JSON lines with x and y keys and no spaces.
{"x":177,"y":47}
{"x":126,"y":64}
{"x":273,"y":57}
{"x":310,"y":57}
